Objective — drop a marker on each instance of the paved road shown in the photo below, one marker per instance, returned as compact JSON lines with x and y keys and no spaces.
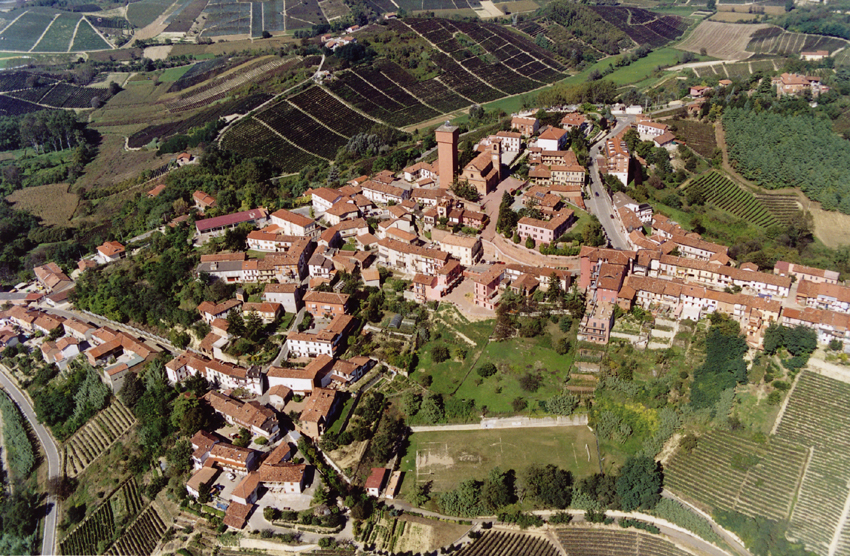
{"x":599,"y":202}
{"x":51,"y":451}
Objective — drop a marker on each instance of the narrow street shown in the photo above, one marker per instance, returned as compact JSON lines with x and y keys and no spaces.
{"x":51,"y":453}
{"x":599,"y":203}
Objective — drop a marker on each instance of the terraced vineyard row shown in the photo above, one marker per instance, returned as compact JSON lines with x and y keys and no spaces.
{"x":316,"y":102}
{"x":501,"y":543}
{"x":771,"y":484}
{"x":302,"y":130}
{"x":97,"y":527}
{"x":580,"y":541}
{"x":726,"y":195}
{"x":783,"y":207}
{"x":142,"y":536}
{"x":119,"y":508}
{"x":706,"y":476}
{"x":96,"y":436}
{"x":220,"y":87}
{"x":431,"y":92}
{"x":251,"y":137}
{"x":818,"y":415}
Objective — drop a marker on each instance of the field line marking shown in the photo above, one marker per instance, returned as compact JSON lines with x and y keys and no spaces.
{"x":74,"y":36}
{"x":784,"y":405}
{"x":52,"y":21}
{"x":13,"y":22}
{"x":276,"y":132}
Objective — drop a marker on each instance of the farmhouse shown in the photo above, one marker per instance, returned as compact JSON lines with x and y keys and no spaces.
{"x":542,"y":231}
{"x":553,"y":139}
{"x":110,"y":252}
{"x":294,"y":224}
{"x":203,"y":201}
{"x":220,"y":224}
{"x":525,"y":126}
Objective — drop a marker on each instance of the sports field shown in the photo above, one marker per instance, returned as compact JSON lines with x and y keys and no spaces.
{"x":448,"y":458}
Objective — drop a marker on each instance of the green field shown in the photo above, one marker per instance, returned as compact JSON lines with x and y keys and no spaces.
{"x":58,"y":37}
{"x":21,"y":35}
{"x":447,"y":458}
{"x":88,"y":39}
{"x":142,"y":14}
{"x":514,"y":358}
{"x":173,"y":74}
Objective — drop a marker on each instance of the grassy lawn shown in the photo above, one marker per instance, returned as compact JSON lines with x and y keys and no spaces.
{"x":514,"y":358}
{"x":173,"y":74}
{"x":447,"y":458}
{"x":337,"y":426}
{"x":753,"y":410}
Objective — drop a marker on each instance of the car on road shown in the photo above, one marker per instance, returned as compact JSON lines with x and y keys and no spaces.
{"x":596,"y":193}
{"x":612,"y":216}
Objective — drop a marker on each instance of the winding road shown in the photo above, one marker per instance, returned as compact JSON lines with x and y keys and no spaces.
{"x":50,"y":450}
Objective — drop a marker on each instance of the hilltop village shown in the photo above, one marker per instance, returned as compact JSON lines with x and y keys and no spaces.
{"x":440,"y":233}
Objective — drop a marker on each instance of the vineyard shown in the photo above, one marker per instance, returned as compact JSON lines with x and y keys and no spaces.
{"x":219,"y":88}
{"x":615,"y":542}
{"x":22,"y":35}
{"x":13,"y":107}
{"x":87,"y":38}
{"x":316,"y":102}
{"x":162,"y":131}
{"x":726,"y":195}
{"x":250,"y":137}
{"x":818,"y":415}
{"x":58,"y":37}
{"x":728,"y":41}
{"x":502,"y":543}
{"x":302,"y":130}
{"x":142,"y":536}
{"x":99,"y":433}
{"x":643,"y":26}
{"x":783,"y":207}
{"x":775,"y":40}
{"x":99,"y":528}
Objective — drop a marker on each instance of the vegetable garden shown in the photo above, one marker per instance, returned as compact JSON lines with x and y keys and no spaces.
{"x":96,"y":436}
{"x":726,"y":195}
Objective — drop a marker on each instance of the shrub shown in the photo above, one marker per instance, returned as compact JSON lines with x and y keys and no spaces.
{"x":530,"y":382}
{"x":487,"y":370}
{"x":519,"y":404}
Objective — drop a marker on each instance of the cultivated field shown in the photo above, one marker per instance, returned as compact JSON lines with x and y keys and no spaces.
{"x":611,"y":541}
{"x":643,"y":26}
{"x":141,"y":536}
{"x":448,"y":458}
{"x":774,"y":40}
{"x":801,"y":475}
{"x":409,"y":533}
{"x":99,"y":527}
{"x":726,"y":195}
{"x":47,"y":30}
{"x":504,"y":543}
{"x":53,"y":203}
{"x":818,"y":416}
{"x":727,"y":41}
{"x":95,"y":437}
{"x":699,"y":136}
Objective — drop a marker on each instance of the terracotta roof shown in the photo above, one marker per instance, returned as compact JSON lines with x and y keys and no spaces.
{"x":282,"y":473}
{"x":293,"y":218}
{"x":204,"y":199}
{"x":230,"y":219}
{"x":237,"y":515}
{"x":376,"y":478}
{"x":319,"y":405}
{"x":326,"y":298}
{"x":110,"y":249}
{"x":222,"y":257}
{"x":247,"y":486}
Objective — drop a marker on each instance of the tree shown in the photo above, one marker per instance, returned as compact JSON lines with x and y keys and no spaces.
{"x":835,"y":344}
{"x":421,"y":493}
{"x":593,"y":234}
{"x":432,"y":408}
{"x":529,"y":242}
{"x":411,"y":402}
{"x":548,"y":485}
{"x":440,"y":353}
{"x":266,"y":34}
{"x":204,"y":493}
{"x":487,"y":370}
{"x":189,"y":415}
{"x":131,"y":390}
{"x":639,"y":484}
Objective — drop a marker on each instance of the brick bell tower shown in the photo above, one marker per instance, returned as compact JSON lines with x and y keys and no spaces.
{"x":447,"y":138}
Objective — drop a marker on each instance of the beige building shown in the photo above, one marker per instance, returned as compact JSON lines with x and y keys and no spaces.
{"x":468,"y":250}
